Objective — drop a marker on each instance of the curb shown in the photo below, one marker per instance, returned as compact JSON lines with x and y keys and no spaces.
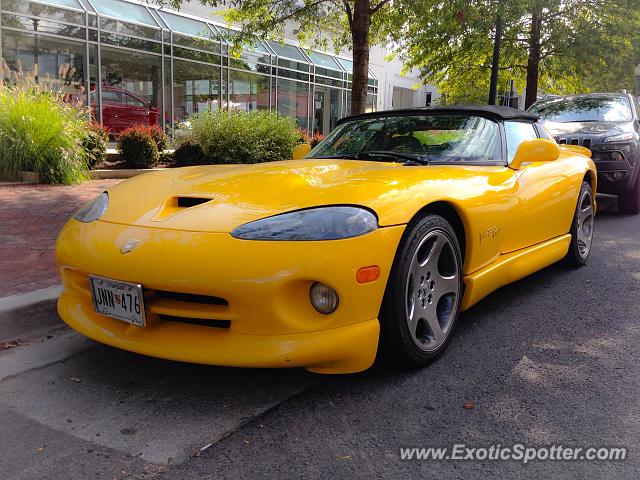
{"x":22,"y":300}
{"x":121,"y":173}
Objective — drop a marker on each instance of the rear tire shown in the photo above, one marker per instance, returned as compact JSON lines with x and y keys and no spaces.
{"x":581,"y":228}
{"x":629,"y":202}
{"x":422,"y":301}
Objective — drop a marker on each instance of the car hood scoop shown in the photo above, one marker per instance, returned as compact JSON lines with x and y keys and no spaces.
{"x":177,"y":204}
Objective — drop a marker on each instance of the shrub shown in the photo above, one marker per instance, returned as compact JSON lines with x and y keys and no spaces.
{"x":138,"y":148}
{"x":312,"y":140}
{"x":241,"y":137}
{"x":188,"y":153}
{"x":95,"y":144}
{"x":41,"y":133}
{"x":158,"y":136}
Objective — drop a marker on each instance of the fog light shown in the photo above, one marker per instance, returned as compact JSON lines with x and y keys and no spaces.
{"x":616,"y":156}
{"x":324,"y":299}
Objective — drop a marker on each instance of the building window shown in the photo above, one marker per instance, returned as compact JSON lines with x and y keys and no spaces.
{"x":293,"y":99}
{"x":57,"y":64}
{"x":131,"y":89}
{"x":326,"y":103}
{"x":159,"y":67}
{"x":196,"y":87}
{"x":248,"y":91}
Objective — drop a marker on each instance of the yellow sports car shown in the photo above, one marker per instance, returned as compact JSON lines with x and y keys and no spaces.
{"x":375,"y":242}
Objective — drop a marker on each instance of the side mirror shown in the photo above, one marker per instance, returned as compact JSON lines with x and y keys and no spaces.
{"x":300,"y":151}
{"x":536,"y":150}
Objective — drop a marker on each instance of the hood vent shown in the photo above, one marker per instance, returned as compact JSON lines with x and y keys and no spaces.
{"x":188,"y":202}
{"x":177,"y":204}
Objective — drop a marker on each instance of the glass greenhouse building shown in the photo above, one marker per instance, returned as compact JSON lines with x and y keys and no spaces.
{"x":133,"y":63}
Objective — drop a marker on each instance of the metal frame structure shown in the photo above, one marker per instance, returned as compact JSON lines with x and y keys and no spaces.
{"x":316,"y":76}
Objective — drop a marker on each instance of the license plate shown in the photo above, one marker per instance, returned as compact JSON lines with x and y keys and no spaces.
{"x":119,"y":300}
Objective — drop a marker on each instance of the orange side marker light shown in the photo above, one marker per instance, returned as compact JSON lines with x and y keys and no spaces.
{"x":368,"y":274}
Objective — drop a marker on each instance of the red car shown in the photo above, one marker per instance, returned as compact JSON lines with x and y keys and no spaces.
{"x":122,"y":109}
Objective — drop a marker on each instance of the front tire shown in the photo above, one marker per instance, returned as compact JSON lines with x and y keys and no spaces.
{"x":582,"y":228}
{"x":423,"y":296}
{"x":629,"y":202}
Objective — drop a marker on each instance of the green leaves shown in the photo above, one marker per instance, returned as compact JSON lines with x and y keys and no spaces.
{"x":40,"y":133}
{"x":584,"y":44}
{"x":242,"y":137}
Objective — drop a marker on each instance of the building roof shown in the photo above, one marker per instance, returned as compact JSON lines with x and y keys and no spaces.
{"x":492,"y":111}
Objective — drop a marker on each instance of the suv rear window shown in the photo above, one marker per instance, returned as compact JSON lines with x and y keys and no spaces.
{"x":586,"y":109}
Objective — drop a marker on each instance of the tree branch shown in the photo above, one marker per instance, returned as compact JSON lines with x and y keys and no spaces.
{"x":284,"y":18}
{"x":382,"y":3}
{"x":347,"y":6}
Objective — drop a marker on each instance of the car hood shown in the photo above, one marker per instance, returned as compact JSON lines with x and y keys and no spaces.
{"x":220,"y":198}
{"x":595,"y":129}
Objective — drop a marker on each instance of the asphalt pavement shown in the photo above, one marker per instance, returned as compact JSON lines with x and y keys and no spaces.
{"x":551,"y":359}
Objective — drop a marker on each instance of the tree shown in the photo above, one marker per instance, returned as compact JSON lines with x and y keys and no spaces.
{"x":560,"y":46}
{"x":325,"y":23}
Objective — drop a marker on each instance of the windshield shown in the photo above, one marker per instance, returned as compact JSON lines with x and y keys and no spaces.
{"x":587,"y":109}
{"x":436,"y":138}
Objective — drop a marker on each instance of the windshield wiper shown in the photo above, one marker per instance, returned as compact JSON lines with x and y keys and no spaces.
{"x":346,"y":156}
{"x":382,"y":156}
{"x":385,"y":154}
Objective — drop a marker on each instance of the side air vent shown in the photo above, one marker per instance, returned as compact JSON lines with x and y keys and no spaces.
{"x":188,"y":202}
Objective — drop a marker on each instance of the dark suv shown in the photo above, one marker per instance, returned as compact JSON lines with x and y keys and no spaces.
{"x":607,"y":124}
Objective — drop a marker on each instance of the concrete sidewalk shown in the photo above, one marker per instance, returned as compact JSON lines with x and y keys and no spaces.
{"x":31,"y":217}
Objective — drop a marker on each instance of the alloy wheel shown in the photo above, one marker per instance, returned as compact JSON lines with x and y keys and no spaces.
{"x":433,"y":286}
{"x":584,"y":230}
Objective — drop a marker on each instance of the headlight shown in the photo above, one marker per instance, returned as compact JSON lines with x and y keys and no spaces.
{"x":322,"y":223}
{"x":623,"y":137}
{"x":94,"y":209}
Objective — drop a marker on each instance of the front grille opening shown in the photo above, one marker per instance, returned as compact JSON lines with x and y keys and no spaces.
{"x":188,"y":202}
{"x":192,"y":298}
{"x":203,"y":322}
{"x":575,"y":141}
{"x":586,"y":142}
{"x":562,"y":141}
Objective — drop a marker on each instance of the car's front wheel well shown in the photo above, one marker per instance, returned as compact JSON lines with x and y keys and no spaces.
{"x":449,"y":213}
{"x":588,"y":177}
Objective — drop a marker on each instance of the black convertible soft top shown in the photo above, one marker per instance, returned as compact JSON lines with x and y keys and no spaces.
{"x":491,"y":111}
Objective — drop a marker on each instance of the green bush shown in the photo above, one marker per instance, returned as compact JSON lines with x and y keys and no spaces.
{"x":188,"y":153}
{"x":95,"y":144}
{"x":138,"y":148}
{"x":158,"y":136}
{"x":241,"y":137}
{"x":41,"y":133}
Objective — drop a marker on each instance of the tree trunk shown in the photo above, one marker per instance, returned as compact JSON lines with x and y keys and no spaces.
{"x":360,"y":37}
{"x":533,"y":62}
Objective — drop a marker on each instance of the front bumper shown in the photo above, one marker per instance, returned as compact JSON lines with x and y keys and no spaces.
{"x":265,"y":285}
{"x":616,"y":176}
